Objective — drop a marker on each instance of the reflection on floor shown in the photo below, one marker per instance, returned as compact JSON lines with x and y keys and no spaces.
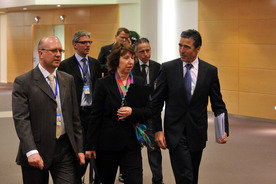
{"x":248,"y":157}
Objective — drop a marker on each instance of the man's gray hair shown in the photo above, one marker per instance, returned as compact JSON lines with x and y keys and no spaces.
{"x":79,"y":34}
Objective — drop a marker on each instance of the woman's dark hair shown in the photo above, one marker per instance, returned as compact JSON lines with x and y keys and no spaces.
{"x":118,"y":49}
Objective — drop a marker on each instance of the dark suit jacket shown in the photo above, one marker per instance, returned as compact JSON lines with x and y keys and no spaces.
{"x":70,"y":65}
{"x":105,"y":132}
{"x":154,"y":68}
{"x":180,"y":114}
{"x":105,"y":51}
{"x":34,"y":113}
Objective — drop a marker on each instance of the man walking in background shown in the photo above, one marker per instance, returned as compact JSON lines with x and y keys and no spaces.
{"x":148,"y":70}
{"x":122,"y":35}
{"x":85,"y":70}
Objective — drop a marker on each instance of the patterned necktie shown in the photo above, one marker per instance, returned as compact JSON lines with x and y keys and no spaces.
{"x":87,"y":81}
{"x":51,"y":78}
{"x":144,"y":72}
{"x":188,"y":81}
{"x":84,"y":66}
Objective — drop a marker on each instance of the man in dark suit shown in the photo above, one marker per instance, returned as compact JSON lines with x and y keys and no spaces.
{"x":85,"y":70}
{"x":46,"y":119}
{"x":185,"y":84}
{"x":148,"y":70}
{"x":122,"y":35}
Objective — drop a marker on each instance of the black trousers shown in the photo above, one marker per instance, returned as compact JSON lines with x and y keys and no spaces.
{"x":62,"y":169}
{"x":130,"y":162}
{"x":85,"y":119}
{"x":185,"y":164}
{"x":154,"y":157}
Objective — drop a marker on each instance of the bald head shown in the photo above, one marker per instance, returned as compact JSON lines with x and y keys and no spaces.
{"x":50,"y":52}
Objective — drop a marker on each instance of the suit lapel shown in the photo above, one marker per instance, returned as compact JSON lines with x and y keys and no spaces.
{"x":180,"y":77}
{"x":151,"y":72}
{"x":202,"y":71}
{"x":75,"y":66}
{"x":41,"y":82}
{"x":114,"y":88}
{"x":91,"y":67}
{"x":62,"y":87}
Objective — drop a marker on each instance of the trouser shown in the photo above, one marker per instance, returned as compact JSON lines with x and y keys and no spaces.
{"x":62,"y":169}
{"x":185,"y":163}
{"x":130,"y":162}
{"x":154,"y":158}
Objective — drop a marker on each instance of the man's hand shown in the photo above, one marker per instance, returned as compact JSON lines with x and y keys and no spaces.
{"x":82,"y":158}
{"x":88,"y":154}
{"x":35,"y":160}
{"x":160,"y":139}
{"x":222,"y":141}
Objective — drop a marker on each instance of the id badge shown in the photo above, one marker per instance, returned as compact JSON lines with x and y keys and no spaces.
{"x":86,"y":89}
{"x":59,"y":119}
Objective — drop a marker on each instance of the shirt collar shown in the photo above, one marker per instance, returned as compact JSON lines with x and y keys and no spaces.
{"x":79,"y":58}
{"x":141,"y":63}
{"x":44,"y":72}
{"x":194,"y":63}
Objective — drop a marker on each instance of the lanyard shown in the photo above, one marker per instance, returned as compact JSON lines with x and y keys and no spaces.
{"x":84,"y":73}
{"x":54,"y":94}
{"x":123,"y":89}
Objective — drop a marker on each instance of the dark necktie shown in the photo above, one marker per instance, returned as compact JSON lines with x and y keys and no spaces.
{"x":84,"y":66}
{"x":188,"y":81}
{"x":144,"y":70}
{"x":51,"y":78}
{"x":87,"y":81}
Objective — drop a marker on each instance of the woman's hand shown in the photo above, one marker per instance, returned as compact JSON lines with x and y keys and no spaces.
{"x":124,"y":112}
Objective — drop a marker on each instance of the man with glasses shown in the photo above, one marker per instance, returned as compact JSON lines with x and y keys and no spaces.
{"x":85,"y":70}
{"x":148,"y":70}
{"x":122,"y":35}
{"x":47,"y":120}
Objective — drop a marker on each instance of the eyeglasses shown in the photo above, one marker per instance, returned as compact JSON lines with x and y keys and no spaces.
{"x":85,"y":42}
{"x":54,"y":51}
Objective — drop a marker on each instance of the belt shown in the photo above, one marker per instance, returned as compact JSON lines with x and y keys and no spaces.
{"x":85,"y":108}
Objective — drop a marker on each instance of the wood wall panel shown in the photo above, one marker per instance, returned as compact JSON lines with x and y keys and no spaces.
{"x":101,"y":21}
{"x":257,"y":31}
{"x":256,"y":56}
{"x":219,"y":31}
{"x":231,"y":100}
{"x":257,"y":105}
{"x":239,"y":38}
{"x":217,"y":10}
{"x":257,"y":9}
{"x":111,"y":15}
{"x":229,"y":78}
{"x":257,"y":81}
{"x":220,"y":54}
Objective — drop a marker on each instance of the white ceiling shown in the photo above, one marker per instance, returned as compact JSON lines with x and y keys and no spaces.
{"x":18,"y":5}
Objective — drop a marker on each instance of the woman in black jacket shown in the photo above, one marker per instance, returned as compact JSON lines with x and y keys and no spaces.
{"x":111,"y":136}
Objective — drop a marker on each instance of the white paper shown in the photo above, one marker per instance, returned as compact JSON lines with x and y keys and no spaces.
{"x":219,"y":126}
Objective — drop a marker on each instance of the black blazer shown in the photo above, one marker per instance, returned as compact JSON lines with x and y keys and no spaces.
{"x":105,"y":51}
{"x":70,"y":65}
{"x":154,"y":69}
{"x":105,"y":132}
{"x":34,"y":114}
{"x":180,"y":114}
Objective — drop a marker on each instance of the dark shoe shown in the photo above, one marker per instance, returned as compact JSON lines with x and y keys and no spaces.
{"x":121,"y":178}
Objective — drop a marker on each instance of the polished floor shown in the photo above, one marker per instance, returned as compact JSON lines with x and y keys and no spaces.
{"x":249,"y":157}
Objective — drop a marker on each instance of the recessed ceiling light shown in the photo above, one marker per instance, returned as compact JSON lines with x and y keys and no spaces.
{"x":58,"y":5}
{"x":24,"y":8}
